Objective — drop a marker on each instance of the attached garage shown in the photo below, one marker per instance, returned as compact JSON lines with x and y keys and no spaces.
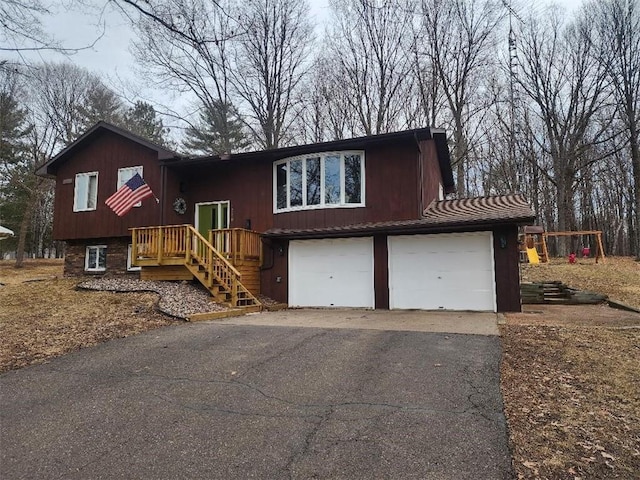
{"x":461,"y":255}
{"x":453,"y":271}
{"x":331,"y":273}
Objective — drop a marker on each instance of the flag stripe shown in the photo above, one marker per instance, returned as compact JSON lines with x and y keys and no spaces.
{"x":127,"y":196}
{"x":133,"y":191}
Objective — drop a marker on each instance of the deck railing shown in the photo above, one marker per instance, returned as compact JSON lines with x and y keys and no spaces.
{"x":237,"y":244}
{"x":159,"y":243}
{"x":211,"y":263}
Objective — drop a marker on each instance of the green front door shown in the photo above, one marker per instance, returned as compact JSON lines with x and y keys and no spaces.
{"x":212,"y":216}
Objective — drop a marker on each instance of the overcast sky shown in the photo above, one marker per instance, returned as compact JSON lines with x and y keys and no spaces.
{"x":110,"y":57}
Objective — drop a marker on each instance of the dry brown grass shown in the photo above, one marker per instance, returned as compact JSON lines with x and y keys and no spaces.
{"x":42,"y":315}
{"x":618,"y":277}
{"x":572,"y":401}
{"x":570,"y":378}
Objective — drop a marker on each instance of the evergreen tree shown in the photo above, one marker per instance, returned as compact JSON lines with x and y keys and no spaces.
{"x":101,"y":103}
{"x":219,"y":130}
{"x":16,"y":180}
{"x":142,"y":120}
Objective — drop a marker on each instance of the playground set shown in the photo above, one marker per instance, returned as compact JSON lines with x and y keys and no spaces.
{"x":534,"y":250}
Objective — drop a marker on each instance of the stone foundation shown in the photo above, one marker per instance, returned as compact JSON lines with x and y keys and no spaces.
{"x":116,"y":263}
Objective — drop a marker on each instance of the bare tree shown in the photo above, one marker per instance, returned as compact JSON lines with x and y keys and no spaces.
{"x":21,"y":151}
{"x":21,"y":29}
{"x":60,"y":92}
{"x":369,"y":42}
{"x":460,"y":36}
{"x":271,"y":62}
{"x":566,"y":83}
{"x":618,"y":26}
{"x":183,"y":46}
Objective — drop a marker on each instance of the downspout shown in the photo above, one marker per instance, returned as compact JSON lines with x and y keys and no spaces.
{"x":163,"y":184}
{"x":421,"y":205}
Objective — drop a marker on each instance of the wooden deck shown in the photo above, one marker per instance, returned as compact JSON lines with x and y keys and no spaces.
{"x":222,"y":263}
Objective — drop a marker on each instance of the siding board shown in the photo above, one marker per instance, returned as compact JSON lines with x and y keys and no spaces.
{"x":105,"y":154}
{"x":507,"y":269}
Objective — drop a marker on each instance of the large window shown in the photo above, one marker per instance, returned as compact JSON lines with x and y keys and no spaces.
{"x":125,"y":174}
{"x":95,"y":259}
{"x":85,"y":195}
{"x":334,"y":179}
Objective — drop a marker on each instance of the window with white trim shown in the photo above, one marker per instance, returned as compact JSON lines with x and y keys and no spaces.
{"x":85,"y":193}
{"x":95,"y":259}
{"x":130,"y":266}
{"x":125,"y":174}
{"x":323,"y":180}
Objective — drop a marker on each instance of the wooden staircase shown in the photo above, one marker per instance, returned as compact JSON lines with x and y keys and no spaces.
{"x":184,"y":245}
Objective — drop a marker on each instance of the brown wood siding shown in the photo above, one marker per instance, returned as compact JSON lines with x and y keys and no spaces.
{"x":106,"y":153}
{"x":392,"y":192}
{"x":431,"y":174}
{"x":247,"y":186}
{"x":275,"y":264}
{"x":381,"y":271}
{"x":175,"y":188}
{"x":507,"y":269}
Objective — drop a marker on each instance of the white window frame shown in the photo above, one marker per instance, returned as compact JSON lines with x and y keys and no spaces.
{"x":322,"y":204}
{"x":96,"y":268}
{"x":130,"y":266}
{"x":125,"y":174}
{"x":85,"y":206}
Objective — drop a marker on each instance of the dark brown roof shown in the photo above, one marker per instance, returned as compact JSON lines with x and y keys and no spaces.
{"x":495,"y":207}
{"x":49,"y":168}
{"x":440,"y":216}
{"x":413,"y":136}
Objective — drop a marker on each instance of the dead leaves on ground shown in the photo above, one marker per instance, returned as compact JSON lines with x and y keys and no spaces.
{"x":572,"y":400}
{"x":48,"y":318}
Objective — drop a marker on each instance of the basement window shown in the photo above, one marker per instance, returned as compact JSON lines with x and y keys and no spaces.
{"x":130,"y":266}
{"x":95,"y":259}
{"x":325,"y":180}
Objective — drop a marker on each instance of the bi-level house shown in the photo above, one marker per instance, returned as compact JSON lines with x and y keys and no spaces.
{"x":361,"y":222}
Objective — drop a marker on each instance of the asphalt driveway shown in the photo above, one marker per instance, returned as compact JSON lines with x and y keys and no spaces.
{"x":210,"y":400}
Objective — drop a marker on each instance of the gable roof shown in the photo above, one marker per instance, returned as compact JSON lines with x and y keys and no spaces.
{"x":439,"y":216}
{"x":50,"y":167}
{"x":413,"y":136}
{"x":170,"y":158}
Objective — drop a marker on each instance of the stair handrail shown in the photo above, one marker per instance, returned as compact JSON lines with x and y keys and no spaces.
{"x":214,"y":254}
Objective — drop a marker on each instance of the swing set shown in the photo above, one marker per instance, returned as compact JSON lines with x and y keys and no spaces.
{"x":534,"y":245}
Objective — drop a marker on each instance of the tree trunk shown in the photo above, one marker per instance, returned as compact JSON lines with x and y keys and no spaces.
{"x":635,"y":163}
{"x":22,"y":236}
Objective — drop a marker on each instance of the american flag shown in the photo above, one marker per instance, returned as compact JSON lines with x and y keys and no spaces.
{"x":132,"y":192}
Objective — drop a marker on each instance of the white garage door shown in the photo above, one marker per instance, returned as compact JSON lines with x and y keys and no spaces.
{"x":443,"y":271}
{"x":331,"y":273}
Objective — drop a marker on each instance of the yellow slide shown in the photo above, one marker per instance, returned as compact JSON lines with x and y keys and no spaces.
{"x":532,"y":254}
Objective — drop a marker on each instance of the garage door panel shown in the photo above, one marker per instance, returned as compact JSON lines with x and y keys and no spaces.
{"x":443,"y":271}
{"x":331,"y":273}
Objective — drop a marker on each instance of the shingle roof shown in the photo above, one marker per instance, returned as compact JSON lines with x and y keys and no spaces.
{"x":495,"y":207}
{"x":48,"y":169}
{"x":440,"y":216}
{"x":413,"y":136}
